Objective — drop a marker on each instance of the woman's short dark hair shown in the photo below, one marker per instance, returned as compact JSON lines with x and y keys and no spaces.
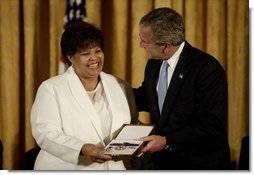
{"x":79,"y":36}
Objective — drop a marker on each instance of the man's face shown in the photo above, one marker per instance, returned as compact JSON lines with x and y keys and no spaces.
{"x":153,"y":51}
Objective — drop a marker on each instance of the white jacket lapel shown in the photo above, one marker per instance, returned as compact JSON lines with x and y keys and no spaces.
{"x":117,"y":102}
{"x":115,"y":95}
{"x":79,"y":93}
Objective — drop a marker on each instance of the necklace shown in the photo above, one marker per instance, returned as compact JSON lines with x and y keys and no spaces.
{"x":95,"y":94}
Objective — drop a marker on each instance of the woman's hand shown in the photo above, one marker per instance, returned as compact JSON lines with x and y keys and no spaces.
{"x":96,"y":154}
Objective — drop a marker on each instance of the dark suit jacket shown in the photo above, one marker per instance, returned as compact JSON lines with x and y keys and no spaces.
{"x":194,"y":115}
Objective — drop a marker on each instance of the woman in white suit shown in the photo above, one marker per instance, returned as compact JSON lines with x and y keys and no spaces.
{"x":77,"y":113}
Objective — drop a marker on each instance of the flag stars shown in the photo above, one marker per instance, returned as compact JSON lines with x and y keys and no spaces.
{"x":78,"y":2}
{"x":71,"y":14}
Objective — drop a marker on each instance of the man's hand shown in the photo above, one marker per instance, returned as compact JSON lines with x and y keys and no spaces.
{"x":154,"y":143}
{"x":95,"y":154}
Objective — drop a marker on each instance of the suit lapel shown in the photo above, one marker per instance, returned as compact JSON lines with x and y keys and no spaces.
{"x":83,"y":100}
{"x":117,"y":103}
{"x":153,"y":75}
{"x":177,"y":80}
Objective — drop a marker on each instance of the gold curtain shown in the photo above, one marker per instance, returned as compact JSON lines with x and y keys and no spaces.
{"x":9,"y":82}
{"x":30,"y":32}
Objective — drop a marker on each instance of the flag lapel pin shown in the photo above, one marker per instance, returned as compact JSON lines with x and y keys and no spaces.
{"x":181,"y":76}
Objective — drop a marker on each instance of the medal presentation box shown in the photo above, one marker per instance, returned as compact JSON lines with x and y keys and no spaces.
{"x":127,"y":141}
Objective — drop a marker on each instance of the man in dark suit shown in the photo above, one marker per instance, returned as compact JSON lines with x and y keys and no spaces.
{"x":190,"y":125}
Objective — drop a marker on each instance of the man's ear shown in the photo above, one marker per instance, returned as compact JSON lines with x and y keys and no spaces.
{"x":166,"y":47}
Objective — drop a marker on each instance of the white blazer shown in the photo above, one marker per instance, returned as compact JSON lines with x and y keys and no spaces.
{"x":63,"y":118}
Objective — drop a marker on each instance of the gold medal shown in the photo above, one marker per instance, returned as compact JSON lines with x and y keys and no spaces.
{"x":120,"y":147}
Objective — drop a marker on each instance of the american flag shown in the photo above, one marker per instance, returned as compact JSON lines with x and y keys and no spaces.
{"x":75,"y":12}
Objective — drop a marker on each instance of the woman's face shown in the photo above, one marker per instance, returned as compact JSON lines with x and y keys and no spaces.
{"x":88,"y":63}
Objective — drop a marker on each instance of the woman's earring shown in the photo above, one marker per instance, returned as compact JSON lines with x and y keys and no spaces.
{"x":69,"y":58}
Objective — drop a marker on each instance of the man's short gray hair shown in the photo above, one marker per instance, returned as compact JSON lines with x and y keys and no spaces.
{"x":166,"y":24}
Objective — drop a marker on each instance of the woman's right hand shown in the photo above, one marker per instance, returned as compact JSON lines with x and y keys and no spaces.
{"x":96,"y":154}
